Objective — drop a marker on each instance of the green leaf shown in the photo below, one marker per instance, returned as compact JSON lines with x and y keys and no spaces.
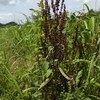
{"x":79,"y":75}
{"x":35,"y":71}
{"x":90,"y":70}
{"x":80,"y":60}
{"x":87,"y":99}
{"x":86,"y":35}
{"x":36,"y":83}
{"x":86,"y":25}
{"x":48,"y":73}
{"x":92,"y":24}
{"x":12,"y":80}
{"x":92,"y":81}
{"x":64,"y":31}
{"x":25,"y":17}
{"x":40,"y":4}
{"x":34,"y":10}
{"x":45,"y":65}
{"x":36,"y":94}
{"x":98,"y":42}
{"x":28,"y":89}
{"x":86,"y":7}
{"x":78,"y":93}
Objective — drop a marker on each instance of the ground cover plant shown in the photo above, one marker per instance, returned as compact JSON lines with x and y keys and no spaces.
{"x":54,"y":55}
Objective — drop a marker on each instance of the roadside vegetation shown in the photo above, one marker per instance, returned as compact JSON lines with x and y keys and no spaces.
{"x":54,"y":55}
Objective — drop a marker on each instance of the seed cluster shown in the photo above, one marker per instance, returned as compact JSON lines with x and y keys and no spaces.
{"x":52,"y":27}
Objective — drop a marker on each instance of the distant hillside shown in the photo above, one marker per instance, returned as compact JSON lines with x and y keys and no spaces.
{"x":9,"y":24}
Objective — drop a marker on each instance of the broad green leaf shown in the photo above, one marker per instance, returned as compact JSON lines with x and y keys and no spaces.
{"x":36,"y":83}
{"x":92,"y":24}
{"x":36,"y":94}
{"x":45,"y":65}
{"x":64,"y":31}
{"x":48,"y":73}
{"x":87,"y":99}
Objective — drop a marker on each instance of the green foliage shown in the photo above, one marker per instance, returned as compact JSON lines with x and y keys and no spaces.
{"x":87,"y":7}
{"x":51,"y":59}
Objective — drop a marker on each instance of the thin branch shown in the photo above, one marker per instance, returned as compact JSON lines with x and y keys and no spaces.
{"x":44,"y":83}
{"x":63,"y":74}
{"x":68,"y":78}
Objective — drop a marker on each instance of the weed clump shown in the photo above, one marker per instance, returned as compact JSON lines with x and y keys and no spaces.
{"x":54,"y":45}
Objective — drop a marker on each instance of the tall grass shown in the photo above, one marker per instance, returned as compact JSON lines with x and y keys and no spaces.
{"x":19,"y":71}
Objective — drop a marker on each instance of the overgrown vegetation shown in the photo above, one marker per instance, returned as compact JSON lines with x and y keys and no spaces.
{"x":52,"y":56}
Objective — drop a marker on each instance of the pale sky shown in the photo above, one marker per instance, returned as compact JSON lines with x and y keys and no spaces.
{"x":10,"y":10}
